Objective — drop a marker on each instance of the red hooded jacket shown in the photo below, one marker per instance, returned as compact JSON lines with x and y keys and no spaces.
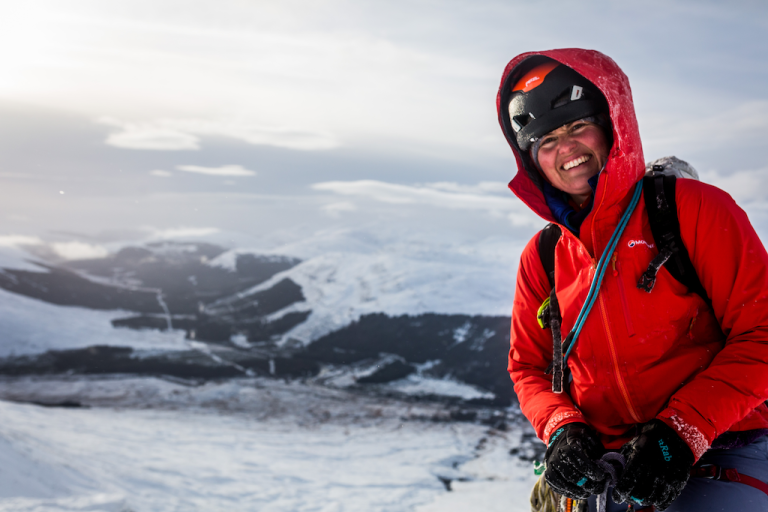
{"x":667,"y":354}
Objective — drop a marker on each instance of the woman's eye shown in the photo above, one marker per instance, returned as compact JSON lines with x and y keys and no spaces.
{"x":547,"y":142}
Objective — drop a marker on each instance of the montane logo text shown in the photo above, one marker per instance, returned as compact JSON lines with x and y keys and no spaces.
{"x":633,"y":243}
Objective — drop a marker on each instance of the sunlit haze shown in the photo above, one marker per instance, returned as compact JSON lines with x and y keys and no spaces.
{"x":270,"y":122}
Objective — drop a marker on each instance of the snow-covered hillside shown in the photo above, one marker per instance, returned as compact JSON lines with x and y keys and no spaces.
{"x":408,"y":309}
{"x":342,"y":275}
{"x":31,"y":326}
{"x":347,"y":273}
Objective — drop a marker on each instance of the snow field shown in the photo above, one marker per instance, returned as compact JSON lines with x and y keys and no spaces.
{"x":160,"y":460}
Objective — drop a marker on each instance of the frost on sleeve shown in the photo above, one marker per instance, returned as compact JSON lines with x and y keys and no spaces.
{"x":733,"y":267}
{"x":531,"y":350}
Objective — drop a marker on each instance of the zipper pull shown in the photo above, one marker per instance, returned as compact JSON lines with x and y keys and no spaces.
{"x":690,"y":326}
{"x":613,"y":263}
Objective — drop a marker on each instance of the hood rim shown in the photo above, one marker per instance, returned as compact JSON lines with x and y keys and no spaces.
{"x":625,"y":165}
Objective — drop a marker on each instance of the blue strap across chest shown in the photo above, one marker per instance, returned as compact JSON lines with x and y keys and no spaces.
{"x":600,"y":271}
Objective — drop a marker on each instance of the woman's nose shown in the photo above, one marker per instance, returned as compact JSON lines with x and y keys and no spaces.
{"x":566,"y":144}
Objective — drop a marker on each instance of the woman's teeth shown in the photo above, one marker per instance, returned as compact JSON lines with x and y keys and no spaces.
{"x":574,"y":163}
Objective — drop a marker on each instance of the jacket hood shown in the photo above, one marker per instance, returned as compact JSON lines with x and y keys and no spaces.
{"x":625,"y":165}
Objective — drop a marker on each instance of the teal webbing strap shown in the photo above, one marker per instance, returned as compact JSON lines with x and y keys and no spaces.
{"x":600,"y":271}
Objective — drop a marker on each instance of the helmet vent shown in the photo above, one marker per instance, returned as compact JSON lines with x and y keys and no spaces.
{"x":518,"y":122}
{"x":572,"y":93}
{"x":562,"y":99}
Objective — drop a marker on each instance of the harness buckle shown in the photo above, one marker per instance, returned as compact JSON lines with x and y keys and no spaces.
{"x":709,"y":471}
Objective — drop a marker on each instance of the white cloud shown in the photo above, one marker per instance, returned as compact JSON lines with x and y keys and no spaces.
{"x":422,"y":194}
{"x":137,"y":136}
{"x":161,"y":173}
{"x":78,"y":250}
{"x":336,"y":209}
{"x":441,"y":195}
{"x":184,"y":134}
{"x":183,"y":232}
{"x":282,"y":137}
{"x":484,"y":187}
{"x":224,"y":170}
{"x":18,"y":240}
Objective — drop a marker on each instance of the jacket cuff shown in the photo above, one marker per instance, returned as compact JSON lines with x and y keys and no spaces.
{"x":559,"y":419}
{"x":690,"y":432}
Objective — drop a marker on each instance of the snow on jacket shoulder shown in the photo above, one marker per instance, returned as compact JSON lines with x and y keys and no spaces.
{"x":666,"y":354}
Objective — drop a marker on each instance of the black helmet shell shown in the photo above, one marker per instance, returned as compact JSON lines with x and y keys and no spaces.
{"x":563,"y":96}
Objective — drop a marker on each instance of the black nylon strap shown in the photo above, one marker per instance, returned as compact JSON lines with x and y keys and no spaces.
{"x":557,"y":344}
{"x":547,"y":241}
{"x":659,"y":194}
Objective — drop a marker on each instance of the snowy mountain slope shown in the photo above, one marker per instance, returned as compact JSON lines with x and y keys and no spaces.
{"x":13,"y":256}
{"x":215,"y":458}
{"x":342,"y":275}
{"x":241,"y":312}
{"x":31,"y":326}
{"x":346,"y":274}
{"x":159,"y":287}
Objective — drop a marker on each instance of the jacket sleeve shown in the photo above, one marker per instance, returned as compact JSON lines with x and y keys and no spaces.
{"x":732,"y":264}
{"x":531,"y":351}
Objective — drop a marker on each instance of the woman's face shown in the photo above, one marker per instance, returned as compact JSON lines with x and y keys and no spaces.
{"x":571,"y":154}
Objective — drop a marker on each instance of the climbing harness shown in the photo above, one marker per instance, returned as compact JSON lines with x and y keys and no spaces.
{"x":715,"y":472}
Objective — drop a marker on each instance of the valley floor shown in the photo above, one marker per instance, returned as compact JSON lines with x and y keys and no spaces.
{"x":152,"y":445}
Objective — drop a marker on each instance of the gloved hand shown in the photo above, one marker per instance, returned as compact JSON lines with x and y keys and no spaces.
{"x":571,"y":467}
{"x":658,"y":466}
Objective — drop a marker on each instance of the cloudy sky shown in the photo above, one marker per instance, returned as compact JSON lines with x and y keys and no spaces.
{"x":273,"y":120}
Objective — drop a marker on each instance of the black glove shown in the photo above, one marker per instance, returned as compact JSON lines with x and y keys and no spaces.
{"x":658,"y":466}
{"x":571,"y":467}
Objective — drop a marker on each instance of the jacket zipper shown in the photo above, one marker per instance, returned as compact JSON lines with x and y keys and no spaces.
{"x":606,"y":325}
{"x":623,"y":297}
{"x":615,"y":360}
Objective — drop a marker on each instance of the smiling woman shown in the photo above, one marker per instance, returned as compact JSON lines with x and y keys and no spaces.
{"x":654,"y":365}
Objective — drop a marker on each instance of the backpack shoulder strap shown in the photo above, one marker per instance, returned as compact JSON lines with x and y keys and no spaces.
{"x":549,"y":312}
{"x":548,"y":238}
{"x":659,"y":194}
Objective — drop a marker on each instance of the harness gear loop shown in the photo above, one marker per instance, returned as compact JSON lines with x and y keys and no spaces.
{"x":715,"y":472}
